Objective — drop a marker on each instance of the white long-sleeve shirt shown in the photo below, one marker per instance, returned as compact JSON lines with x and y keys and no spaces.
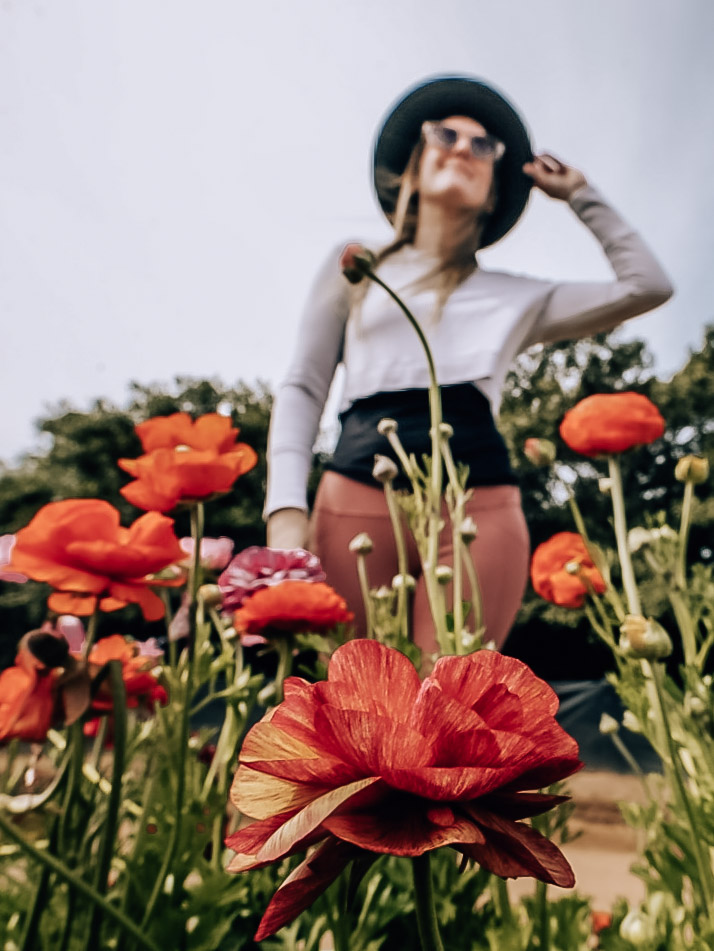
{"x":490,"y":318}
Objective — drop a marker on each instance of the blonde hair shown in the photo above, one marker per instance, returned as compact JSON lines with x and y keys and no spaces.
{"x":449,"y":271}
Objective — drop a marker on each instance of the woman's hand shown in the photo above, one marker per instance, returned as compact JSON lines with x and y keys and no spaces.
{"x":553,"y":177}
{"x":287,"y":528}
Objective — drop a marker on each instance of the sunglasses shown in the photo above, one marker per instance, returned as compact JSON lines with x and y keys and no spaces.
{"x":445,"y":138}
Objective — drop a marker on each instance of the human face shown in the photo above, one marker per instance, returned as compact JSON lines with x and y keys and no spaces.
{"x":455,"y":178}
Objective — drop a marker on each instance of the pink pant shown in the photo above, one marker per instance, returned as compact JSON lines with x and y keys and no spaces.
{"x":344,"y":508}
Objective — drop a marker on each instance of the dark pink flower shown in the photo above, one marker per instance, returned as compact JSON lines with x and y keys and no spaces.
{"x":215,"y":552}
{"x":257,"y":567}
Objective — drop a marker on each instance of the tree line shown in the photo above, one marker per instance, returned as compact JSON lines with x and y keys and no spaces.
{"x":83,"y":449}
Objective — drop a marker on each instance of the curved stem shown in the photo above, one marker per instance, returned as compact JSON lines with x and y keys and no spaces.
{"x":618,"y":509}
{"x":76,"y":881}
{"x":284,"y":648}
{"x":424,"y":904}
{"x":364,"y":588}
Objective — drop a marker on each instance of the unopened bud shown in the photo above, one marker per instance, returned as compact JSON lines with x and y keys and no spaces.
{"x":468,"y":529}
{"x":694,"y":705}
{"x":572,"y":567}
{"x":361,"y":544}
{"x":605,"y":485}
{"x":382,"y":593}
{"x":637,"y":928}
{"x":694,"y":469}
{"x":356,"y":262}
{"x":608,"y":724}
{"x":645,"y":637}
{"x":443,"y":573}
{"x":385,"y":470}
{"x":541,"y":452}
{"x":211,"y":595}
{"x":630,"y":722}
{"x":446,"y":430}
{"x":639,"y":537}
{"x":404,"y":581}
{"x":387,"y":426}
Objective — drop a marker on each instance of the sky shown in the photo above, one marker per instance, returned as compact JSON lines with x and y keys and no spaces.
{"x":172,"y":174}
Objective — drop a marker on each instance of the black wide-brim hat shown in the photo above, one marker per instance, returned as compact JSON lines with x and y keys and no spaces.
{"x":445,"y":96}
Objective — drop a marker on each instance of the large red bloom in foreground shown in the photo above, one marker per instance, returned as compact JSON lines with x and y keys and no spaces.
{"x":292,"y":606}
{"x":611,"y":422}
{"x":79,"y":547}
{"x":374,"y":761}
{"x":185,"y":461}
{"x":553,"y":582}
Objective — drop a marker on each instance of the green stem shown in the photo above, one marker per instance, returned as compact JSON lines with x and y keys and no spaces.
{"x":396,"y":522}
{"x":686,"y":627}
{"x":284,"y":648}
{"x":76,"y":881}
{"x":40,"y":900}
{"x":706,"y":886}
{"x":91,"y":635}
{"x":75,"y":752}
{"x":501,"y":899}
{"x":424,"y":904}
{"x":107,"y":844}
{"x":364,"y":588}
{"x":680,"y":572}
{"x":618,"y":508}
{"x":610,"y":593}
{"x":541,"y":894}
{"x":194,"y":577}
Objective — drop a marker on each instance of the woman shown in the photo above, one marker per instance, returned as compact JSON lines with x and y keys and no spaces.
{"x":453,"y":169}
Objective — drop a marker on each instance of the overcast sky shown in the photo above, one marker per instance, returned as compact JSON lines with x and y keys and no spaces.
{"x":171,"y":174}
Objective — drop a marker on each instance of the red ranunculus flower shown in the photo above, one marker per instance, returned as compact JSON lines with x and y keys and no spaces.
{"x":79,"y":547}
{"x":257,"y":567}
{"x":356,"y":262}
{"x":27,"y":699}
{"x":553,"y":582}
{"x":141,"y":686}
{"x":185,"y":461}
{"x":373,"y":761}
{"x":611,"y":422}
{"x":292,"y":606}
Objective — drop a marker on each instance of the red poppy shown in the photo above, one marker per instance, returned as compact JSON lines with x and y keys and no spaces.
{"x":185,"y":461}
{"x":373,"y":761}
{"x":292,"y":606}
{"x":611,"y":422}
{"x":27,"y":699}
{"x":79,"y":547}
{"x":552,"y":581}
{"x":140,"y":684}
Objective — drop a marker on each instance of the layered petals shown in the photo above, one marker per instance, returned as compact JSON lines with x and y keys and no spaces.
{"x":292,"y":606}
{"x":611,"y":422}
{"x":259,"y":567}
{"x":563,"y":572}
{"x":374,"y":761}
{"x":185,"y":461}
{"x":79,"y":547}
{"x":142,"y":688}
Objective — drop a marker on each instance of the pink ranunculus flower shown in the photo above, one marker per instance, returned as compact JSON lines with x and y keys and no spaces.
{"x":215,"y":552}
{"x":7,"y":543}
{"x":72,"y":630}
{"x":257,"y":567}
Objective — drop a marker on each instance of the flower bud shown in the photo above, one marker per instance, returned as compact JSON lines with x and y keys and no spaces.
{"x":630,"y":722}
{"x":356,"y":262}
{"x":604,"y":485}
{"x":382,"y":593}
{"x":443,"y":574}
{"x":638,"y":537}
{"x":468,"y":530}
{"x":387,"y":426}
{"x":694,"y":469}
{"x":608,"y":724}
{"x":572,"y":567}
{"x":637,"y":928}
{"x":385,"y":470}
{"x":211,"y":594}
{"x":361,"y":544}
{"x":404,"y":581}
{"x":644,"y":637}
{"x":446,"y":430}
{"x":541,"y":452}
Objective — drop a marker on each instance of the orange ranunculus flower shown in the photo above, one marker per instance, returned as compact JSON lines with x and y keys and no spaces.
{"x":374,"y":761}
{"x":600,"y":920}
{"x":141,"y":686}
{"x":79,"y":547}
{"x":553,"y":582}
{"x":292,"y":606}
{"x":611,"y":422}
{"x":27,"y":699}
{"x":185,"y":461}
